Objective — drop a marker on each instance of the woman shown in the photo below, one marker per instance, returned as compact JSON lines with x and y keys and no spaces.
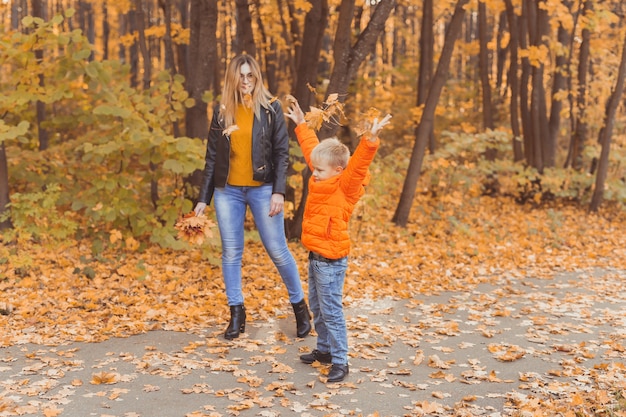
{"x":246,"y":166}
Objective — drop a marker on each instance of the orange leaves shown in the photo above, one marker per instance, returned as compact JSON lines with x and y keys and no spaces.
{"x":330,"y":112}
{"x":105,"y":378}
{"x":506,"y":353}
{"x":52,"y":412}
{"x":435,"y":362}
{"x":194,"y":229}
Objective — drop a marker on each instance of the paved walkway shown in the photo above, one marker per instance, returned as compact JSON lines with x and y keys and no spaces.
{"x":484,"y":352}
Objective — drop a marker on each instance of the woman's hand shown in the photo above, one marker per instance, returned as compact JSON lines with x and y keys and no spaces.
{"x":277,"y":203}
{"x":199,"y":209}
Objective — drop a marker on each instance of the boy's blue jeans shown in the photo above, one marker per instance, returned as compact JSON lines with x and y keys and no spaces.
{"x":326,"y":302}
{"x":230,"y":209}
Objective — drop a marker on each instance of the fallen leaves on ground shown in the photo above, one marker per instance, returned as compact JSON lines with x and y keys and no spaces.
{"x":499,"y":261}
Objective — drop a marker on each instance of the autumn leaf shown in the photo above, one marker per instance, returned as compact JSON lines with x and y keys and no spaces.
{"x":281,"y":368}
{"x":115,"y":235}
{"x":506,"y":353}
{"x":435,"y":362}
{"x":419,"y":357}
{"x":331,"y":111}
{"x":52,"y":412}
{"x":364,"y":124}
{"x":105,"y":378}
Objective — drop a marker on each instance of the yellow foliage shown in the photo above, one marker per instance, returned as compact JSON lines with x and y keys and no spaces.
{"x":537,"y":55}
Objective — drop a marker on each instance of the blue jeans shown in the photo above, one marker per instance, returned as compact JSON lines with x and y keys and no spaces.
{"x":326,"y":302}
{"x":230,"y":209}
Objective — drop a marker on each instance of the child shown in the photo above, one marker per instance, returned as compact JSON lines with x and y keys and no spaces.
{"x":335,"y":187}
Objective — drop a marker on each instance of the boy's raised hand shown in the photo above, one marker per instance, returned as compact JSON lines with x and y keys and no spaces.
{"x":377,"y":126}
{"x":295,"y":113}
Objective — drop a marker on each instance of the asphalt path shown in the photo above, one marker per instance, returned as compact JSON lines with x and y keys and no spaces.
{"x":487,"y":351}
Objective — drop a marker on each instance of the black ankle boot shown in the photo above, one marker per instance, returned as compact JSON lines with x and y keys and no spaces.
{"x":303,"y":318}
{"x":237,"y":322}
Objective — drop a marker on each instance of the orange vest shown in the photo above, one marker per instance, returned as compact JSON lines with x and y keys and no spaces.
{"x":330,"y":203}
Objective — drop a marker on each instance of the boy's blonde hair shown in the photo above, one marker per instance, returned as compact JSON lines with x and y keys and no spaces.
{"x":332,"y":152}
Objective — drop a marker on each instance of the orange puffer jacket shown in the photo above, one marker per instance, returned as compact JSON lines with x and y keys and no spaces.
{"x":330,"y":202}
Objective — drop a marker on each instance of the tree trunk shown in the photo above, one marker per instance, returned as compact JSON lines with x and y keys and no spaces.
{"x":399,"y":49}
{"x":524,"y":92}
{"x":427,"y":57}
{"x":4,"y":187}
{"x":307,"y":58}
{"x":202,"y":68}
{"x":559,"y":84}
{"x":244,"y":41}
{"x":518,"y":152}
{"x":288,"y":35}
{"x":38,"y":7}
{"x":268,"y":58}
{"x":546,"y":146}
{"x":86,"y":22}
{"x":579,"y":136}
{"x":425,"y":126}
{"x":182,"y":56}
{"x":501,"y":53}
{"x":170,"y":64}
{"x":308,"y":54}
{"x":202,"y":60}
{"x":539,"y":148}
{"x":483,"y":66}
{"x":140,"y":22}
{"x":605,"y":133}
{"x":19,"y":9}
{"x":106,"y":32}
{"x":133,"y":50}
{"x":347,"y":59}
{"x":147,"y":81}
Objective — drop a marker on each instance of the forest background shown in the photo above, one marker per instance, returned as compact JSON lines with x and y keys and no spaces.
{"x":106,"y":104}
{"x":506,"y":153}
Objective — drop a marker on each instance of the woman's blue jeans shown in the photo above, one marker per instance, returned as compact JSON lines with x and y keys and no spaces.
{"x":230,"y":209}
{"x":326,"y":302}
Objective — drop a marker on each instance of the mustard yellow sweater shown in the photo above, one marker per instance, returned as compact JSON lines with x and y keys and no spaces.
{"x":240,"y":173}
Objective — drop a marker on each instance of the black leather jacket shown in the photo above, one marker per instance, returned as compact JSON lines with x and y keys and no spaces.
{"x":270,"y":152}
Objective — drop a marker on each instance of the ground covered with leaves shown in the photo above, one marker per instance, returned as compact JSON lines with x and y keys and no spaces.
{"x":52,"y":296}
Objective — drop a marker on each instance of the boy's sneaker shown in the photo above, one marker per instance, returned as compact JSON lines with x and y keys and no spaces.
{"x":316,"y":355}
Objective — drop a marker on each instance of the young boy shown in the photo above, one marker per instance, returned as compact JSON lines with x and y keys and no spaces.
{"x":335,"y":187}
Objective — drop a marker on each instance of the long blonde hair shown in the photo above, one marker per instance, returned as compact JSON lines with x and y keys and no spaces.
{"x":231,"y":95}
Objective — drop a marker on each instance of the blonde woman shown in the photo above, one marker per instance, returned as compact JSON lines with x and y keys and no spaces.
{"x":246,"y":166}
